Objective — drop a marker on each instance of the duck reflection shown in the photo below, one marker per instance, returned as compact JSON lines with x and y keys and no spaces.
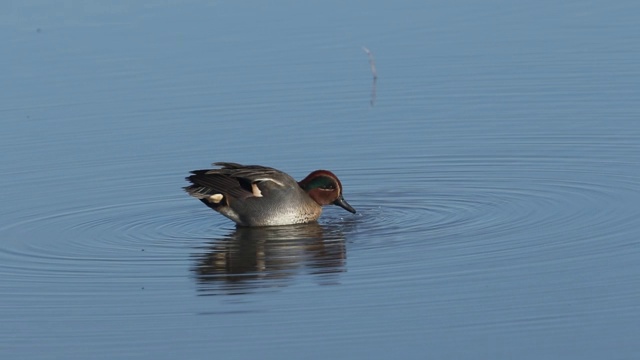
{"x":269,"y":257}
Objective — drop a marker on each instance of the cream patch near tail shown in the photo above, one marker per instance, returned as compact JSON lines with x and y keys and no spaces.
{"x":215,"y":198}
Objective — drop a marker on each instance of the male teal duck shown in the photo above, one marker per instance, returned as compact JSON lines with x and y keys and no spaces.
{"x":254,"y":195}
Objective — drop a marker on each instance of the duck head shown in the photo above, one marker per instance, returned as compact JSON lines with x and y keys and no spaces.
{"x":325,"y":188}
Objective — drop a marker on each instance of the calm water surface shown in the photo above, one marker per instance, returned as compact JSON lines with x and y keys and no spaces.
{"x":494,"y":167}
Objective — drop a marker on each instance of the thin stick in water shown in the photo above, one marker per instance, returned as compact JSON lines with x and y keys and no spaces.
{"x":372,"y":62}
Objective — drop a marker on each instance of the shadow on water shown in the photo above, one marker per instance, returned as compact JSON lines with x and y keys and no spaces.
{"x":248,"y":259}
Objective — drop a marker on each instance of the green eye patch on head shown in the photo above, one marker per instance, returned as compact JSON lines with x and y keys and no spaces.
{"x":321,"y":182}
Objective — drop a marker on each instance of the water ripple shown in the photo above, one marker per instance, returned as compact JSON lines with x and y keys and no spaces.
{"x":480,"y":202}
{"x":103,"y":239}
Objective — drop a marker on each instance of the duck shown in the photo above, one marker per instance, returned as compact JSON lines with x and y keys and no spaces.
{"x":255,"y":195}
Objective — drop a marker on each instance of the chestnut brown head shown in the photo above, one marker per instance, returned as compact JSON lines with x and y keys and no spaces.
{"x":325,"y":188}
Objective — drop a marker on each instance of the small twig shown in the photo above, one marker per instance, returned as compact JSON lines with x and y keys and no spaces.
{"x":372,"y":62}
{"x":373,"y":93}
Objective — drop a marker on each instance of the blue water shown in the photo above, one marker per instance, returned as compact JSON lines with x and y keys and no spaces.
{"x":493,"y":164}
